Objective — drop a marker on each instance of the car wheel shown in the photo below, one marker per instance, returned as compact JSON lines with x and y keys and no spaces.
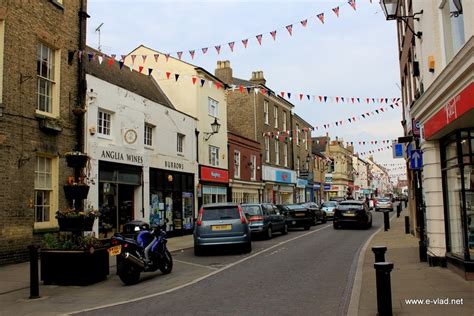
{"x":269,"y":233}
{"x":284,"y":230}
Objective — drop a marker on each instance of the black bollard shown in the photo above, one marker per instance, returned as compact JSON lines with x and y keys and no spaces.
{"x":384,"y":289}
{"x":407,"y":225}
{"x":406,"y":203}
{"x":379,"y":252}
{"x":386,"y":221}
{"x":34,"y":279}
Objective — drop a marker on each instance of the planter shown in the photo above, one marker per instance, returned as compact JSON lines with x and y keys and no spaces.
{"x":50,"y":125}
{"x":76,"y":192}
{"x":75,"y":224}
{"x":77,"y":161}
{"x":74,"y":267}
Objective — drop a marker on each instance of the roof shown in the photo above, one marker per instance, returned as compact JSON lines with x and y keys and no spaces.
{"x":299,"y":118}
{"x":319,"y":144}
{"x":132,"y":81}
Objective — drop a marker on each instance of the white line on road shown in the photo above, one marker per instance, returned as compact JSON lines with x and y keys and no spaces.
{"x":200,"y":278}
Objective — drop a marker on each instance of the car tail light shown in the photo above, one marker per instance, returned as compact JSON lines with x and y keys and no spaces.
{"x":114,"y":242}
{"x":255,"y":218}
{"x":199,"y":219}
{"x":243,"y":219}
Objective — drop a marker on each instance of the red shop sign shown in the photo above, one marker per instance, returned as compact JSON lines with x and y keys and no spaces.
{"x":453,"y":109}
{"x":214,"y":175}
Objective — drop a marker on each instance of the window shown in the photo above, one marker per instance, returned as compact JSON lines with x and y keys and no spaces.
{"x":297,"y":134}
{"x":148,"y":139}
{"x":45,"y":71}
{"x":213,"y":107}
{"x":43,"y":189}
{"x":285,"y":155}
{"x":213,"y":155}
{"x":214,"y":194}
{"x":284,"y":121}
{"x":237,"y":164}
{"x":297,"y":166}
{"x":267,"y":149}
{"x":453,"y":27}
{"x":253,"y":167}
{"x":277,"y":152}
{"x":265,"y":111}
{"x":305,"y":140}
{"x":179,"y":143}
{"x":275,"y":115}
{"x":104,"y":120}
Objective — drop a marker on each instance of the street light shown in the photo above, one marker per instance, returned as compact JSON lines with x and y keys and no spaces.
{"x":391,"y":10}
{"x":215,"y":126}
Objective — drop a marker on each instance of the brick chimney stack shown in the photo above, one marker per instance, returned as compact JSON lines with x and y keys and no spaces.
{"x":257,"y":77}
{"x":223,"y":71}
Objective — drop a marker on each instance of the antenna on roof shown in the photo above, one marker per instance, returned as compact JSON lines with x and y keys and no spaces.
{"x":97,"y":30}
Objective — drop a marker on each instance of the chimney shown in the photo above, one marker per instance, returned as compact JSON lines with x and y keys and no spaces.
{"x":223,"y":71}
{"x":257,"y":77}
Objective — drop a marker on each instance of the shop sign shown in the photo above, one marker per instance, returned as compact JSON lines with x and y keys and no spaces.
{"x":174,"y":165}
{"x":327,"y":187}
{"x":283,"y":176}
{"x":451,"y":110}
{"x":214,"y":175}
{"x":334,"y":188}
{"x":119,"y":156}
{"x":317,"y":186}
{"x":278,"y":175}
{"x":328,"y":178}
{"x":301,"y":183}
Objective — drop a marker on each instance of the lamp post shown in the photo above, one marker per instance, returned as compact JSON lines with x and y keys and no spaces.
{"x":391,"y":10}
{"x":215,"y":126}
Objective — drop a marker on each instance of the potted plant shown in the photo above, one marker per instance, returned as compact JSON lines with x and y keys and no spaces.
{"x":76,"y":159}
{"x":73,"y":220}
{"x":76,"y":191}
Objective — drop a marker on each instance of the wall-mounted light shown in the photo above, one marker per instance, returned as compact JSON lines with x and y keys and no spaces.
{"x":391,"y":10}
{"x":215,"y":126}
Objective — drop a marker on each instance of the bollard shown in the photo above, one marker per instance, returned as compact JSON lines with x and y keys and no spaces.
{"x":386,"y":221}
{"x":34,"y":279}
{"x":407,"y":225}
{"x":406,"y":203}
{"x":384,"y":290}
{"x":399,"y":209}
{"x":379,"y":252}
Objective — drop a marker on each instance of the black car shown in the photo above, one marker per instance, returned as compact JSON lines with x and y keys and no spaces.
{"x":337,"y":198}
{"x":352,"y":212}
{"x":296,"y":215}
{"x":264,"y":219}
{"x":316,"y":212}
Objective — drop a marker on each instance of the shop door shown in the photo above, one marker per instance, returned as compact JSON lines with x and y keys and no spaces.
{"x":125,"y":204}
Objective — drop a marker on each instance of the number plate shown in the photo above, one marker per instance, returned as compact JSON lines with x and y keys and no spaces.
{"x":115,"y":250}
{"x":300,"y":214}
{"x":349,"y":214}
{"x":221,"y":227}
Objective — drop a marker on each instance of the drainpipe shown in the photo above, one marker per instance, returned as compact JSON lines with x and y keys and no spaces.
{"x":81,"y":91}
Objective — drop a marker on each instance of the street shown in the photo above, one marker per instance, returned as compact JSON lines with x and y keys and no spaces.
{"x":303,"y":273}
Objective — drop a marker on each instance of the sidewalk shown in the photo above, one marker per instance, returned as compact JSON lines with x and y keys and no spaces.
{"x":412,"y":279}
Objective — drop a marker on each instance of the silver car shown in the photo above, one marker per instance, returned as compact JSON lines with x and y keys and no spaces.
{"x":221,"y":224}
{"x":328,"y":208}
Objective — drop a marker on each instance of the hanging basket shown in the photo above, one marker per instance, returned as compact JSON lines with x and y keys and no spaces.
{"x":76,"y":192}
{"x":77,"y":160}
{"x":75,"y":224}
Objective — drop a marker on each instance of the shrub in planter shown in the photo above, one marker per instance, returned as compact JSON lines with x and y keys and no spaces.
{"x":76,"y":191}
{"x":76,"y":159}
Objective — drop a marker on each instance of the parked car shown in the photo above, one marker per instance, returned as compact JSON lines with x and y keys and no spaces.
{"x":221,"y":224}
{"x":296,"y":215}
{"x":337,"y":198}
{"x":316,"y":213}
{"x":383,"y":204}
{"x":264,"y":219}
{"x":352,"y":212}
{"x":329,"y":208}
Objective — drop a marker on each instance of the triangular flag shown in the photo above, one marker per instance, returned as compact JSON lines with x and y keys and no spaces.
{"x":358,"y":100}
{"x":342,"y":98}
{"x":123,"y":57}
{"x":245,"y":42}
{"x":110,"y":62}
{"x":325,"y":98}
{"x":202,"y":82}
{"x":381,"y":109}
{"x":282,"y":94}
{"x":150,"y":71}
{"x":194,"y":80}
{"x":156,"y":57}
{"x":100,"y":58}
{"x":320,"y":98}
{"x":304,"y":22}
{"x":167,"y":57}
{"x":290,"y":29}
{"x":301,"y":96}
{"x":349,"y":120}
{"x":210,"y":84}
{"x":289,"y":95}
{"x":90,"y":56}
{"x":204,"y":50}
{"x":336,"y":11}
{"x":273,"y":34}
{"x":179,"y":54}
{"x":218,"y":49}
{"x":259,"y":39}
{"x":377,"y":111}
{"x":353,"y":4}
{"x":363,"y":115}
{"x":263,"y":91}
{"x":191,"y":52}
{"x":176,"y":76}
{"x":248,"y":90}
{"x":133,"y":58}
{"x":321,"y":17}
{"x":168,"y":74}
{"x":308,"y":97}
{"x":337,"y":99}
{"x":121,"y":64}
{"x":218,"y":85}
{"x":352,"y":99}
{"x":144,"y":58}
{"x":231,"y":45}
{"x":140,"y":68}
{"x":256,"y":90}
{"x":391,"y":105}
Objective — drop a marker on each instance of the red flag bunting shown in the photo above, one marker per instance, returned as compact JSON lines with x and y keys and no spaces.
{"x":218,"y":85}
{"x":336,"y":11}
{"x":231,"y":45}
{"x":168,"y":74}
{"x":140,"y":68}
{"x":179,"y":54}
{"x":167,"y":57}
{"x":282,"y":94}
{"x":204,"y":50}
{"x":321,"y":17}
{"x":133,"y":58}
{"x":241,"y":88}
{"x":156,"y":57}
{"x":273,"y":34}
{"x":111,"y":62}
{"x":304,"y":22}
{"x":290,"y":29}
{"x":353,"y":4}
{"x":144,"y":58}
{"x":218,"y":49}
{"x":301,"y":96}
{"x":337,"y":99}
{"x":194,"y":80}
{"x":259,"y":39}
{"x":245,"y":42}
{"x":191,"y":52}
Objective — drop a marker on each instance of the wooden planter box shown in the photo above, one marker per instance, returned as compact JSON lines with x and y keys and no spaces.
{"x":74,"y":267}
{"x":75,"y":224}
{"x":76,"y":192}
{"x":77,"y":161}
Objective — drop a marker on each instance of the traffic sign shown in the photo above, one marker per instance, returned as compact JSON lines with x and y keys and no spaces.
{"x":416,"y":159}
{"x":397,"y":150}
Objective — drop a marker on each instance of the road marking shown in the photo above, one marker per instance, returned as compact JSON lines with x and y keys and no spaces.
{"x":195,"y":264}
{"x":200,"y":278}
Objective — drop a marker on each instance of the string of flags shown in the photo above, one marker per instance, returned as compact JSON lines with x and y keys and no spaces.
{"x":375,"y":150}
{"x":289,"y":135}
{"x":290,"y":28}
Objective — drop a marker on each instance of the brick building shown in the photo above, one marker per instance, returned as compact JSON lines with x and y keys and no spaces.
{"x":302,"y":159}
{"x":39,"y":88}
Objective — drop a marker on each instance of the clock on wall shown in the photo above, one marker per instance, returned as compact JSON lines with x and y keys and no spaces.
{"x":130,"y":136}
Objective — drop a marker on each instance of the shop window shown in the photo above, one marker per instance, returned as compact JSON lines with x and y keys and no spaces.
{"x":213,"y":155}
{"x":47,"y":71}
{"x":253,"y":167}
{"x":267,"y":149}
{"x":180,"y":143}
{"x":104,"y":123}
{"x":148,"y":138}
{"x":213,"y":107}
{"x":211,"y":194}
{"x":237,"y":164}
{"x":265,"y":111}
{"x":43,"y":189}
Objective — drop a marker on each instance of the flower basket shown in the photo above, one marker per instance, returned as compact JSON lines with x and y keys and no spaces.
{"x":76,"y":160}
{"x":76,"y":192}
{"x":75,"y":224}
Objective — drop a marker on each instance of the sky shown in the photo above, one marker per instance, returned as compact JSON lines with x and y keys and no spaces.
{"x":353,"y":55}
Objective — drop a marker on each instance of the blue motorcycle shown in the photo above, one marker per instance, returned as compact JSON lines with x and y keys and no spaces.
{"x":147,"y":253}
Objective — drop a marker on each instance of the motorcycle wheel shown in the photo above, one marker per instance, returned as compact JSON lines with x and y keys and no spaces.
{"x":128,"y":273}
{"x":167,"y":265}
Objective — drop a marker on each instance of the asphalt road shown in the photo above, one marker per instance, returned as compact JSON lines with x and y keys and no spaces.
{"x":302,"y":273}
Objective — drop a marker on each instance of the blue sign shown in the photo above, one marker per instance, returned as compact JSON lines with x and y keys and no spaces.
{"x":397,"y":150}
{"x":327,"y":187}
{"x":283,"y":176}
{"x":301,"y":183}
{"x":416,"y":159}
{"x":317,"y":186}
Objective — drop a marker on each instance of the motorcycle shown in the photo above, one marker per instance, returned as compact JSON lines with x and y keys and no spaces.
{"x":147,"y":253}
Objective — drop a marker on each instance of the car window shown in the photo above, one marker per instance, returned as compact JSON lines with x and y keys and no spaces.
{"x":251,"y":210}
{"x":329,"y":204}
{"x":217,"y":213}
{"x":349,"y":206}
{"x":269,"y":209}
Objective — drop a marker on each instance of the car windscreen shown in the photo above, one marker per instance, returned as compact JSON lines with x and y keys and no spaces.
{"x":295,"y":206}
{"x":251,"y":210}
{"x":218,"y":213}
{"x":329,"y":204}
{"x":354,"y":206}
{"x":384,"y":200}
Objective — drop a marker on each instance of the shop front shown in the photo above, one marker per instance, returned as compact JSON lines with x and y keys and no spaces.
{"x":317,"y":192}
{"x":245,"y":192}
{"x":213,"y":185}
{"x":300,"y":190}
{"x":279,"y":185}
